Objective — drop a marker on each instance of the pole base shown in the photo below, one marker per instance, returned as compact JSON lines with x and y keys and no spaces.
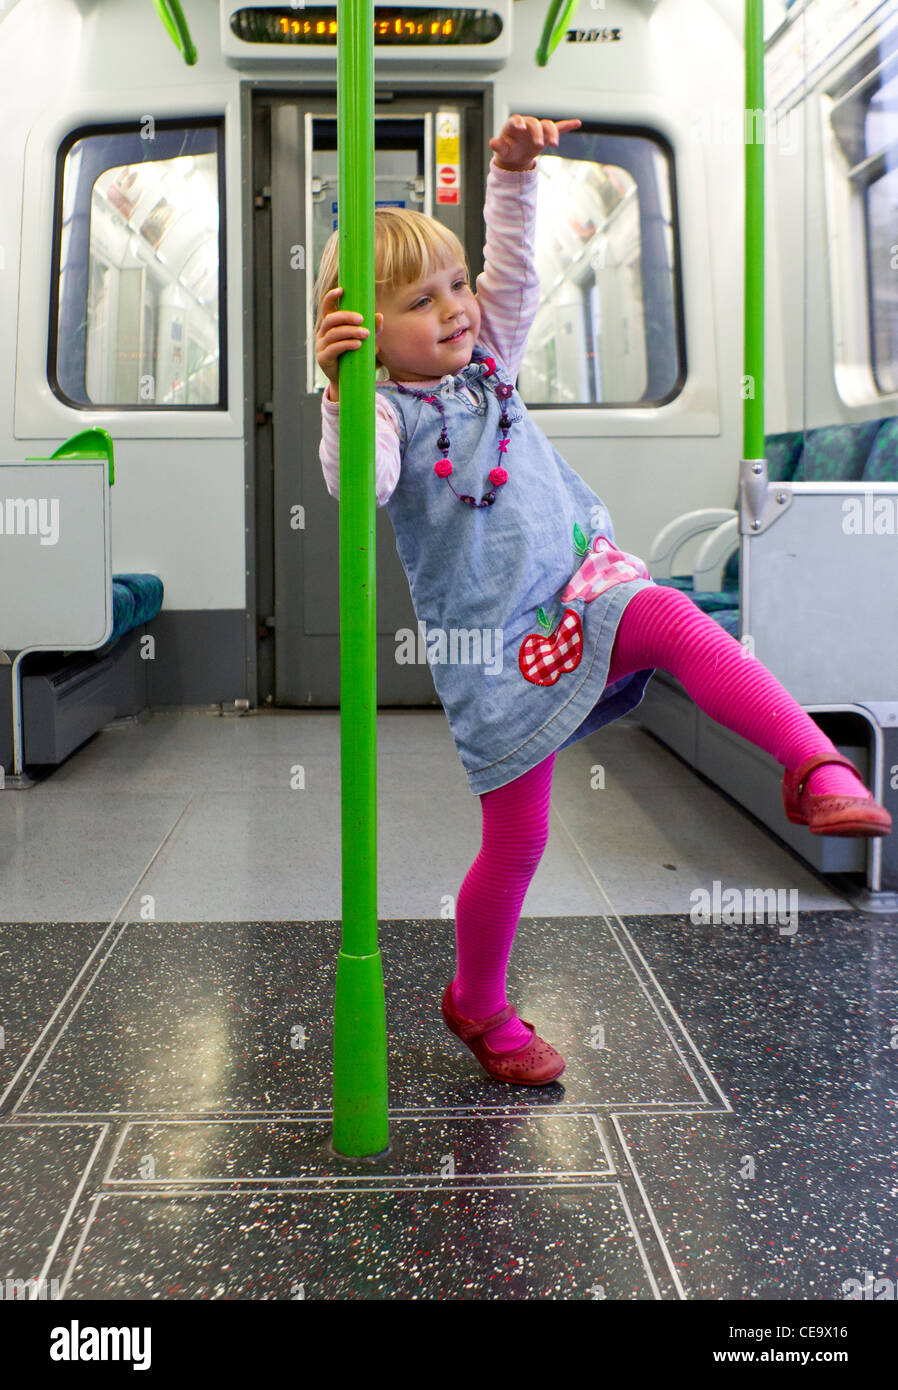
{"x":357,"y":1158}
{"x":361,"y":1121}
{"x":16,"y":781}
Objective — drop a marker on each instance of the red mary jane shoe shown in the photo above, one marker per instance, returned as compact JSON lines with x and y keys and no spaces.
{"x":831,"y":815}
{"x":534,"y":1064}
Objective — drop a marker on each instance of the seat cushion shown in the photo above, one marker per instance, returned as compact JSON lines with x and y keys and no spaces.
{"x":147,"y":591}
{"x":136,"y":598}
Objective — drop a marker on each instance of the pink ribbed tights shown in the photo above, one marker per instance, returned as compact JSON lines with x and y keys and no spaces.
{"x":662,"y":628}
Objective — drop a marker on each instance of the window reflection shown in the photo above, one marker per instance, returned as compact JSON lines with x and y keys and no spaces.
{"x":881,"y":139}
{"x":608,"y":328}
{"x":138,"y":320}
{"x":863,"y":117}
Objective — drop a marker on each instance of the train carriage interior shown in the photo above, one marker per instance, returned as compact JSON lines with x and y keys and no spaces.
{"x":173,"y":835}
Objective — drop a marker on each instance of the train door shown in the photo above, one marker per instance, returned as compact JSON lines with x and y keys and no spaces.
{"x":295,"y":182}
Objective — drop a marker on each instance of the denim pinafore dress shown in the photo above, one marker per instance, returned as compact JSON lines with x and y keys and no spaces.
{"x":520,"y":672}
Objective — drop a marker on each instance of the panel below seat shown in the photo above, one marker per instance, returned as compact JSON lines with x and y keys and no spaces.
{"x":66,"y":698}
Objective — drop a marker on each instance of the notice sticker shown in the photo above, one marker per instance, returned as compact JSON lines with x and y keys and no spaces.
{"x":448,"y":156}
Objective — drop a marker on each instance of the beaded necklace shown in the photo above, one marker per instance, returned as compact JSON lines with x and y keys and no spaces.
{"x":443,"y":466}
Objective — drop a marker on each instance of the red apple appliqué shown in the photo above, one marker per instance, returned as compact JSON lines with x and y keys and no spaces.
{"x":542,"y":659}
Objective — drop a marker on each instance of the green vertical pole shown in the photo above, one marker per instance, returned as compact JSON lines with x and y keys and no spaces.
{"x":360,"y":1117}
{"x":753,"y":406}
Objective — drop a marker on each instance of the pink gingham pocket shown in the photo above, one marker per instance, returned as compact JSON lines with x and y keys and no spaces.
{"x":603,"y":567}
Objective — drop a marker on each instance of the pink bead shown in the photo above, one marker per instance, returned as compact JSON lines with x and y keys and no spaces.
{"x":443,"y":467}
{"x":498,"y":476}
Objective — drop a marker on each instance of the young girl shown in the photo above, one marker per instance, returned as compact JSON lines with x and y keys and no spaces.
{"x":491,"y":527}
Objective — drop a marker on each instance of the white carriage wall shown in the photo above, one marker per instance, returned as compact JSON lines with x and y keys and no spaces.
{"x":178,"y":504}
{"x":179,"y":499}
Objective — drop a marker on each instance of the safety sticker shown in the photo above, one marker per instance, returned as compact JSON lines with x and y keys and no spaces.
{"x":448,"y":163}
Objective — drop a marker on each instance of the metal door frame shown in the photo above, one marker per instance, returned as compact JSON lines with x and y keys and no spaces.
{"x":259,"y":100}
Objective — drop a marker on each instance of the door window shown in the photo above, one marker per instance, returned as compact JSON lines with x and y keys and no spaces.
{"x":399,"y":180}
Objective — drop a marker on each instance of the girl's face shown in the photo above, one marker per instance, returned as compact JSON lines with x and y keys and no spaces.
{"x":410,"y":334}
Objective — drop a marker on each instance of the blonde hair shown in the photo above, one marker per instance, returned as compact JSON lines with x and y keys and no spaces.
{"x":408,"y":245}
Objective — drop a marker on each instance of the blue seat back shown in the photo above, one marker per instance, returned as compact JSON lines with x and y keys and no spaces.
{"x":882,"y":461}
{"x":782,"y":452}
{"x":836,"y":453}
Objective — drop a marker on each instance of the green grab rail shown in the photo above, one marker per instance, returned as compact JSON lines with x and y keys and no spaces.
{"x":93,"y":443}
{"x":551,"y":37}
{"x":360,"y":1113}
{"x":172,"y":16}
{"x":753,"y":369}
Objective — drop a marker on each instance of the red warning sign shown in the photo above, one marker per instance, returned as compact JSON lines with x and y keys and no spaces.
{"x":447,"y":183}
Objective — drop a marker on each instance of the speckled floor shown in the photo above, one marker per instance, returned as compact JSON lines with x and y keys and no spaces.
{"x":726,"y":1126}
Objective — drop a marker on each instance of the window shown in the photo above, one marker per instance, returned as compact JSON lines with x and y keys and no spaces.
{"x":881,"y":208}
{"x":865,"y":122}
{"x":609,"y":327}
{"x":137,"y":318}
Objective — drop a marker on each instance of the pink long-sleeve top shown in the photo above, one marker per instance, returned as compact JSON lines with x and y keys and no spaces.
{"x":508,"y":295}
